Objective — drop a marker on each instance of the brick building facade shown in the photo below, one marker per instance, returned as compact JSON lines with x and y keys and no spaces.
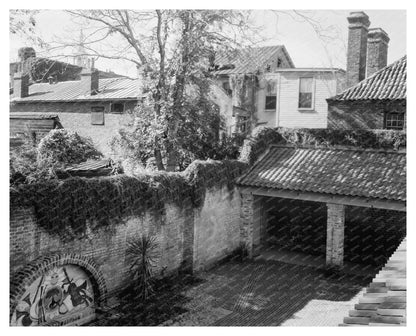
{"x":92,"y":106}
{"x":375,"y":97}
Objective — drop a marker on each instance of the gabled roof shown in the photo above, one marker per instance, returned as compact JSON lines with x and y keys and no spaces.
{"x":248,"y":60}
{"x":109,"y":89}
{"x":346,"y":172}
{"x":387,"y":83}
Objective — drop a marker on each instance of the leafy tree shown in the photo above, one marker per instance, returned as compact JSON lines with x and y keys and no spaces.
{"x":172,"y":59}
{"x":22,"y":22}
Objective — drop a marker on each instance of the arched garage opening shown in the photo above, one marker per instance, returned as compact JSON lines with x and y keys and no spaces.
{"x":57,"y":290}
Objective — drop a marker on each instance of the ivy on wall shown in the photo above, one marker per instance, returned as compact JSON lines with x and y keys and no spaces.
{"x":63,"y":207}
{"x":262,"y":137}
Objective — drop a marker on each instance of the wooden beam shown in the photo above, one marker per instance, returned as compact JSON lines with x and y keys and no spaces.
{"x":327,"y":198}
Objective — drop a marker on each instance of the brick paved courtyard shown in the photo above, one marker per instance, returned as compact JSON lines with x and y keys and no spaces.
{"x":271,"y":293}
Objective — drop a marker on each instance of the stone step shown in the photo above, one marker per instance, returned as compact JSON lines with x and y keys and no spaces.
{"x":374,"y":324}
{"x":375,"y":294}
{"x":377,"y":284}
{"x":391,"y":312}
{"x":396,"y":293}
{"x":366,"y":306}
{"x":362,"y":313}
{"x":377,"y":290}
{"x":388,"y":319}
{"x":395,"y":299}
{"x":366,"y":299}
{"x":392,"y":305}
{"x":357,"y":320}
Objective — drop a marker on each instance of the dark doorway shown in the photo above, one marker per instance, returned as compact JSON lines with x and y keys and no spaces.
{"x":295,"y":225}
{"x":372,"y":235}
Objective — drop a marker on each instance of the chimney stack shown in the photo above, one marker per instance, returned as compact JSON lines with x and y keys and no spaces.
{"x":26,"y":57}
{"x":378,"y":42}
{"x":357,"y":47}
{"x":91,"y":80}
{"x":20,"y":85}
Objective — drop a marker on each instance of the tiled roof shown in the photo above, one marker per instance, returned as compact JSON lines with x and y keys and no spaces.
{"x":90,"y":165}
{"x":346,"y":172}
{"x":247,"y":60}
{"x":109,"y":89}
{"x":384,"y":302}
{"x":387,"y":83}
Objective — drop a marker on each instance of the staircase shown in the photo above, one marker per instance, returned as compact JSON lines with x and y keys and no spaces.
{"x":384,"y":302}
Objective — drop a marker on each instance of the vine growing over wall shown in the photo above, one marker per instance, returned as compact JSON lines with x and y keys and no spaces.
{"x":262,"y":137}
{"x":64,"y":207}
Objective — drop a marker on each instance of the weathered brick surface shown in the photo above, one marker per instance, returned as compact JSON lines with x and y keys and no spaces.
{"x":357,"y":47}
{"x":217,"y":230}
{"x":362,"y":114}
{"x":377,"y":46}
{"x":77,"y":117}
{"x":335,"y":235}
{"x":188,"y":239}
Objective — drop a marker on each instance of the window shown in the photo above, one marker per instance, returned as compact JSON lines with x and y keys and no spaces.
{"x":227,"y":88}
{"x":242,"y":124}
{"x":305,"y":93}
{"x":97,"y":115}
{"x":394,"y":121}
{"x":117,"y":107}
{"x":271,"y":95}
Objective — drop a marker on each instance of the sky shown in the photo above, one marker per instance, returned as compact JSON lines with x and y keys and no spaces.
{"x":305,"y":47}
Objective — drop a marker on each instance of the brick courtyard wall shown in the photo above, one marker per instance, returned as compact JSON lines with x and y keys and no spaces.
{"x":217,"y":229}
{"x":362,"y":114}
{"x":107,"y":246}
{"x":189,"y":238}
{"x":77,"y":117}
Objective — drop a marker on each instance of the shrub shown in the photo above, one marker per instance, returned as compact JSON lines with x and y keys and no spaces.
{"x":142,"y":251}
{"x":31,"y":162}
{"x":66,"y":147}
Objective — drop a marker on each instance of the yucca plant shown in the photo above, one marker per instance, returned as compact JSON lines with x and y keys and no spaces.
{"x":143,"y":252}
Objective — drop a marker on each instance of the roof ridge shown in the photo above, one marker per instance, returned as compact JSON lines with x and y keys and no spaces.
{"x":340,"y":147}
{"x":385,"y":73}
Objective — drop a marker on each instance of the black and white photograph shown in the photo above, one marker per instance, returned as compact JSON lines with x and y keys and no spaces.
{"x":206,"y":167}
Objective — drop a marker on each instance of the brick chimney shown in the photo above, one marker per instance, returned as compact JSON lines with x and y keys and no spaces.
{"x":91,"y":79}
{"x":27,"y":56}
{"x":377,"y":45}
{"x":20,"y":85}
{"x":357,"y":47}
